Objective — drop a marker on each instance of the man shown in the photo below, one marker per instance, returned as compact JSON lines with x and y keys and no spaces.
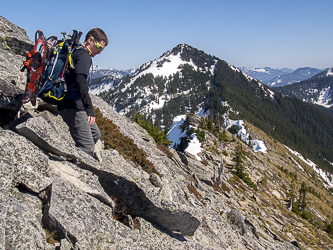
{"x":76,"y":108}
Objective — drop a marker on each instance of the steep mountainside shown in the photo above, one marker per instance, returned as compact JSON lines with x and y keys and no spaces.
{"x":317,"y":90}
{"x":296,"y":76}
{"x":135,"y":194}
{"x":184,"y":80}
{"x":265,"y":74}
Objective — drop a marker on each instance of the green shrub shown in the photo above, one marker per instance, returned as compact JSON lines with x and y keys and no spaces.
{"x":200,"y":135}
{"x":234,"y":129}
{"x":307,"y":215}
{"x":192,"y":131}
{"x":209,"y":125}
{"x":329,"y":229}
{"x":157,"y":133}
{"x":204,"y":162}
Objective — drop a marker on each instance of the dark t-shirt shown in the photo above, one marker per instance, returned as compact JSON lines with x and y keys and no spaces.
{"x":76,"y":79}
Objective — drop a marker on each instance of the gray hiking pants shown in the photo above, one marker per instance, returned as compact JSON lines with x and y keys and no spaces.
{"x":85,"y":136}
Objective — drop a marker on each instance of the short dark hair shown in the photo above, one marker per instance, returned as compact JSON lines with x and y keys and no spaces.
{"x":98,"y":34}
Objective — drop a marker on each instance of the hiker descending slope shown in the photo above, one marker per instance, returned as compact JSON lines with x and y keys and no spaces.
{"x":76,"y":107}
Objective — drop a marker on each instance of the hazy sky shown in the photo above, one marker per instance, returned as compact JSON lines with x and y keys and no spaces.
{"x":257,"y":33}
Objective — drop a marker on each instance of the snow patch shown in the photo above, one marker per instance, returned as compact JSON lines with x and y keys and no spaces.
{"x":324,"y":98}
{"x":257,"y":145}
{"x":175,"y":133}
{"x":170,"y":66}
{"x":261,"y":70}
{"x":194,"y":147}
{"x":327,"y":177}
{"x":329,"y":72}
{"x":102,"y":88}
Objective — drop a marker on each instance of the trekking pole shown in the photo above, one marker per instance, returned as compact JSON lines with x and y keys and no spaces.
{"x":74,"y":36}
{"x":64,"y":33}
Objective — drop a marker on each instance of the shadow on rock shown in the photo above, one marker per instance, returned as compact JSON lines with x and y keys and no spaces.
{"x":131,"y":201}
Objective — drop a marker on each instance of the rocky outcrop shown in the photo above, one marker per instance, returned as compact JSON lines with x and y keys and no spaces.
{"x":86,"y":204}
{"x":14,"y":43}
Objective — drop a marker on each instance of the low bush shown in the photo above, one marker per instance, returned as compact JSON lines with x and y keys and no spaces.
{"x":200,"y":135}
{"x":234,"y":129}
{"x":204,"y":162}
{"x":114,"y":139}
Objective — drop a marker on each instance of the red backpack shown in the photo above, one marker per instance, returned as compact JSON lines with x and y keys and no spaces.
{"x":36,"y":63}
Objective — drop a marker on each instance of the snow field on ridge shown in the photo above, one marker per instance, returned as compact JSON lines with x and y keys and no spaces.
{"x":194,"y":147}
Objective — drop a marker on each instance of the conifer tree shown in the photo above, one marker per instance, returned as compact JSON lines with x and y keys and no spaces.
{"x":238,"y":160}
{"x":302,"y":197}
{"x":156,"y":132}
{"x":292,"y":195}
{"x":238,"y":157}
{"x":221,"y":171}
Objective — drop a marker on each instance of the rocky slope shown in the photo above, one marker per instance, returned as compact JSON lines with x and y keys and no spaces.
{"x":53,"y":192}
{"x":54,"y":196}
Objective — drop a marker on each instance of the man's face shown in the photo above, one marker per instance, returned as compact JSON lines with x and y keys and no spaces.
{"x":94,"y":48}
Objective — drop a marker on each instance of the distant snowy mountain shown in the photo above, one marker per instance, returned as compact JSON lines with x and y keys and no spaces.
{"x":104,"y":79}
{"x":99,"y":72}
{"x":317,"y":90}
{"x":265,"y":74}
{"x":298,"y":75}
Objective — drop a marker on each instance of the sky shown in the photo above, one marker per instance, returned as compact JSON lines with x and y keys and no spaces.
{"x":257,"y":33}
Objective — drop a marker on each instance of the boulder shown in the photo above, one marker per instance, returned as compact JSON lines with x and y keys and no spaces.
{"x":193,"y":121}
{"x":81,"y":219}
{"x":237,"y":220}
{"x":10,"y":96}
{"x":10,"y":102}
{"x":48,"y":137}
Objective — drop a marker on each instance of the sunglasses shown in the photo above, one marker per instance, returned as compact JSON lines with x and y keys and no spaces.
{"x":99,"y":47}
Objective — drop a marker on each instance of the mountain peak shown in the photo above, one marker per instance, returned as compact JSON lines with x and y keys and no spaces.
{"x":326,"y":73}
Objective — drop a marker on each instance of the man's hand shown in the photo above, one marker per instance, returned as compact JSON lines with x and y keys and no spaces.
{"x":91,"y":120}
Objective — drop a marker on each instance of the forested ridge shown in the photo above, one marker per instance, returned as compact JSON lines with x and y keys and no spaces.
{"x":310,"y":90}
{"x":292,"y":122}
